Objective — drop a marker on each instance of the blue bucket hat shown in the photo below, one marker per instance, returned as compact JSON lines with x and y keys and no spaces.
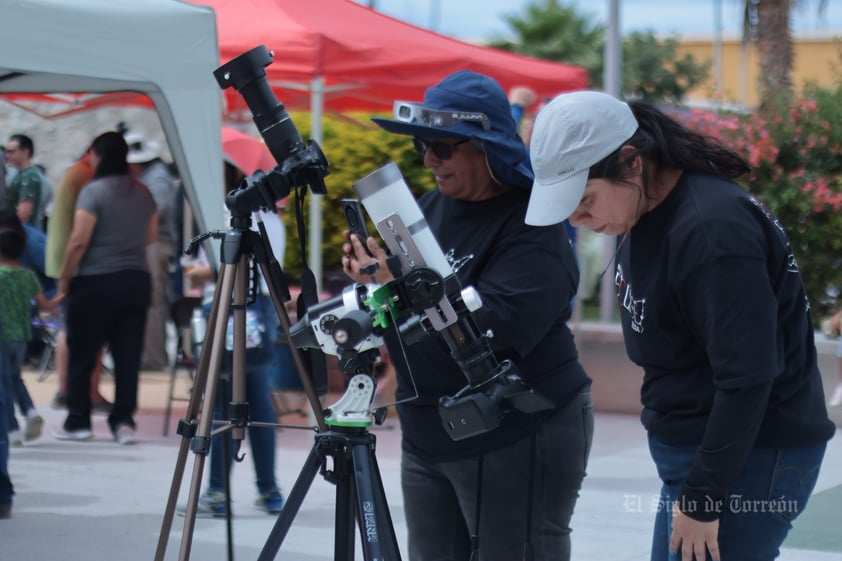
{"x":468,"y":105}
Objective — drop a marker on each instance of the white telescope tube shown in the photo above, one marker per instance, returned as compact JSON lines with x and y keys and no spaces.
{"x":385,"y":194}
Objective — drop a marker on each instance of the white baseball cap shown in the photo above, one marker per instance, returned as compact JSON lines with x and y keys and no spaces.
{"x":141,"y":150}
{"x":572,"y":133}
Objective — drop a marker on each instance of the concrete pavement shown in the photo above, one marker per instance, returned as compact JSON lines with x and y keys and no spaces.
{"x":99,"y":501}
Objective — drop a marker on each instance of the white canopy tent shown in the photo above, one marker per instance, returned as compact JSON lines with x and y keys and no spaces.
{"x":165,"y":49}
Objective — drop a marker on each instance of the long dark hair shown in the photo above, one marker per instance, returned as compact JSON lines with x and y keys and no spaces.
{"x":664,"y":143}
{"x":112,"y":150}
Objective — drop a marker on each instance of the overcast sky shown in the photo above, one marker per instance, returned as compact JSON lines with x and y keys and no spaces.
{"x":483,"y":19}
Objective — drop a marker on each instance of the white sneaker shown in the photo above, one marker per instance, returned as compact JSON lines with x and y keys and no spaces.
{"x":78,"y":434}
{"x":34,"y":425}
{"x":125,"y":435}
{"x":836,"y":398}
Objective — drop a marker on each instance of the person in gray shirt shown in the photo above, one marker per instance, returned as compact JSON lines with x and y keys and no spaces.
{"x":107,"y":299}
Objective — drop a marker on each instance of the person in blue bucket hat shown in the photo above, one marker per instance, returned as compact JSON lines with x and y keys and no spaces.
{"x":508,"y":493}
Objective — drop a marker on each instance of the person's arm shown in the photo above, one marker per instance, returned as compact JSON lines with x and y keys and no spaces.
{"x":30,"y":193}
{"x":744,"y":362}
{"x":24,"y":210}
{"x":46,"y":304}
{"x":58,"y":230}
{"x":198,"y":275}
{"x":80,"y":237}
{"x":521,"y":98}
{"x":744,"y":358}
{"x":152,"y":229}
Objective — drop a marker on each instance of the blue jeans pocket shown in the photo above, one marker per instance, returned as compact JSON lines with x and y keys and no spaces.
{"x":793,"y":480}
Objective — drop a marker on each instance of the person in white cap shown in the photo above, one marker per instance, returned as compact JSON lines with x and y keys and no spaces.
{"x":146,"y":166}
{"x":714,"y":311}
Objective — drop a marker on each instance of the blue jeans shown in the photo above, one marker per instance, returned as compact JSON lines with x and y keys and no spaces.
{"x":516,"y":504}
{"x":261,"y":439}
{"x":12,"y":355}
{"x":284,"y":374}
{"x":6,"y":490}
{"x":770,"y":492}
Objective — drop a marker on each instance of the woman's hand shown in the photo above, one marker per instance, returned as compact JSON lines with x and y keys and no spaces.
{"x":198,"y":275}
{"x":356,"y":257}
{"x":62,"y":287}
{"x":692,"y":539}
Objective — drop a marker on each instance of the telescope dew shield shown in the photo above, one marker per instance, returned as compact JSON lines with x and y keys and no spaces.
{"x":384,"y":194}
{"x":400,"y":222}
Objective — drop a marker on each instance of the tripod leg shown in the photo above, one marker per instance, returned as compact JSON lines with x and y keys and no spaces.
{"x":377,"y":533}
{"x":207,"y":374}
{"x":291,"y":506}
{"x":345,"y":516}
{"x":280,"y":310}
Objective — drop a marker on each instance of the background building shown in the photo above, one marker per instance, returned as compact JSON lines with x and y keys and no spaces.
{"x":817,"y":59}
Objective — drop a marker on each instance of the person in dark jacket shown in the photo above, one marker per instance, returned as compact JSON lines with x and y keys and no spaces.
{"x":713,"y":309}
{"x":511,"y":489}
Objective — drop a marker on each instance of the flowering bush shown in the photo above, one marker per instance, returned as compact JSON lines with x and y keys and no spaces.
{"x":796,"y":157}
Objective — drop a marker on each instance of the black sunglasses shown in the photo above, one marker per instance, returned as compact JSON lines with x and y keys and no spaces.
{"x":441,"y":150}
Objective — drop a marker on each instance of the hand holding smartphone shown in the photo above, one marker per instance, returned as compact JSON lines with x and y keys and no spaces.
{"x":356,"y":219}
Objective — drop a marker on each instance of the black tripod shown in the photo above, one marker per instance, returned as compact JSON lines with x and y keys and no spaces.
{"x":359,"y":486}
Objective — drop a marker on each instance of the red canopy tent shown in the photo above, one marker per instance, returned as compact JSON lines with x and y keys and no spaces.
{"x":360,"y":59}
{"x":338,"y":55}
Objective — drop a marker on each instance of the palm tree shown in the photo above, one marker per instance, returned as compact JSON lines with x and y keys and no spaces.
{"x":766,"y":23}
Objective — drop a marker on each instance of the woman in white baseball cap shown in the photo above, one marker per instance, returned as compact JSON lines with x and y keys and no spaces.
{"x":714,"y":311}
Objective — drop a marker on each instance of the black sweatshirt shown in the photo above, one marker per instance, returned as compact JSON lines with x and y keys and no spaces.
{"x":714,"y":310}
{"x":527,"y":277}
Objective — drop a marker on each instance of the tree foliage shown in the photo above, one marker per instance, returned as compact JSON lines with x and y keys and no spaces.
{"x":551,"y":31}
{"x":355,"y":147}
{"x":766,"y":24}
{"x":650,"y":70}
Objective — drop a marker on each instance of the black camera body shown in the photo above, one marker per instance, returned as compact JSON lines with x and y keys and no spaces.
{"x":299,"y":163}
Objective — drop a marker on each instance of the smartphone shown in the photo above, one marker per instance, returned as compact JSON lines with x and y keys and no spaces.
{"x":356,"y":218}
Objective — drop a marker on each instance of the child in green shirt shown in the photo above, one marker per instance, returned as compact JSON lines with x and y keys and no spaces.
{"x":18,"y":287}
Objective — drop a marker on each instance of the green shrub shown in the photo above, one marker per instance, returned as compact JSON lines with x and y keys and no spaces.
{"x":355,"y":147}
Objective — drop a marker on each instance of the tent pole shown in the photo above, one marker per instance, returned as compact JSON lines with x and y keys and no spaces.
{"x":613,"y":86}
{"x":315,"y":250}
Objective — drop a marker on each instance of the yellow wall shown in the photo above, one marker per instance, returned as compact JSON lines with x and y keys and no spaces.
{"x":817,"y":60}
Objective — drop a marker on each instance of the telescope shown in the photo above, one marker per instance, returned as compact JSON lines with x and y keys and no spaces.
{"x":425,"y":299}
